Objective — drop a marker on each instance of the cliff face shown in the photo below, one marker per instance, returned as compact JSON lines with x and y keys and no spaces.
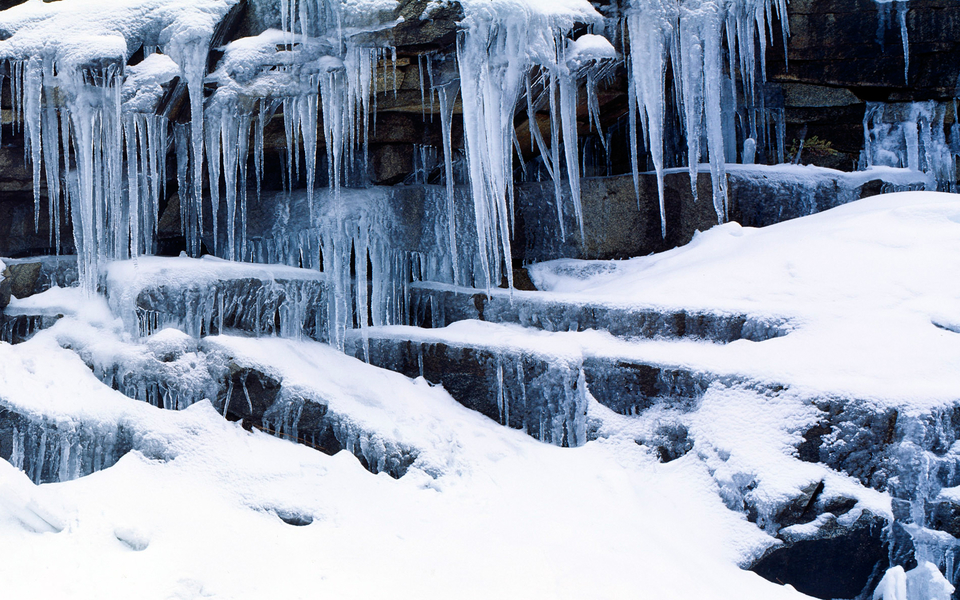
{"x":840,"y":56}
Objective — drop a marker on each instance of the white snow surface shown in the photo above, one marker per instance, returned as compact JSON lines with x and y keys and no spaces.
{"x":868,"y":287}
{"x":150,"y":271}
{"x":589,"y":47}
{"x":195,"y":513}
{"x":143,"y":86}
{"x":74,"y":32}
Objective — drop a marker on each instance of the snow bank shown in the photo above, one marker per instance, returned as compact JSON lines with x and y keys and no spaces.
{"x":866,"y":284}
{"x":204,"y":508}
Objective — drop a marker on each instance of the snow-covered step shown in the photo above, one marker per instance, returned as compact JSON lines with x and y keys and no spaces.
{"x":208,"y":295}
{"x":23,"y":318}
{"x":23,"y":277}
{"x":438,"y":305}
{"x":519,"y":383}
{"x":533,"y":380}
{"x":59,"y":448}
{"x":301,"y":391}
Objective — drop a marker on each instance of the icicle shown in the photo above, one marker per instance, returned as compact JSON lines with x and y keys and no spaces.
{"x":691,"y":32}
{"x":429,"y":62}
{"x":423,"y":98}
{"x":230,"y":140}
{"x":32,"y":70}
{"x":593,"y":107}
{"x":448,"y":95}
{"x":568,"y":115}
{"x":213,"y":169}
{"x":243,"y":145}
{"x":555,"y":148}
{"x":193,"y":59}
{"x":691,"y":86}
{"x":902,"y":8}
{"x":307,"y":105}
{"x":133,"y":185}
{"x":51,"y":154}
{"x":649,"y":33}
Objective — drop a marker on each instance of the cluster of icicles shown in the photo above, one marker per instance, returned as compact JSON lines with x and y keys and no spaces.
{"x":690,"y":34}
{"x":104,"y":160}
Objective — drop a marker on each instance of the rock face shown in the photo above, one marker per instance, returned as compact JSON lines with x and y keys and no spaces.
{"x":843,"y":53}
{"x":857,"y":45}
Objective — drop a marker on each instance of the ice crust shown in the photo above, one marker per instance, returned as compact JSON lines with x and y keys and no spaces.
{"x":923,"y":581}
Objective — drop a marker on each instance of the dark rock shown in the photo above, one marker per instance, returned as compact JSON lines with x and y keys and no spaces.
{"x":616,"y":223}
{"x":801,"y":508}
{"x":843,"y":43}
{"x":672,"y":441}
{"x":390,"y":163}
{"x":840,"y":564}
{"x":809,"y":448}
{"x":18,"y":234}
{"x":423,"y":31}
{"x":629,"y":388}
{"x":23,"y":279}
{"x":944,"y":515}
{"x":16,"y":329}
{"x":248,"y":394}
{"x":513,"y":387}
{"x":294,"y":518}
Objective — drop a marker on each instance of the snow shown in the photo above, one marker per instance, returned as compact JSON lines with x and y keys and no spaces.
{"x":151,"y":271}
{"x":143,"y":86}
{"x":198,"y":295}
{"x":561,"y":14}
{"x":52,"y":301}
{"x":193,"y":512}
{"x":865,"y":286}
{"x":156,"y":502}
{"x":589,"y":47}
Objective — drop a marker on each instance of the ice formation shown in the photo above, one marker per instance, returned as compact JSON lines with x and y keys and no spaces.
{"x":502,"y":43}
{"x":316,"y":64}
{"x":690,"y":35}
{"x":913,"y":136}
{"x":923,"y":582}
{"x":79,"y":94}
